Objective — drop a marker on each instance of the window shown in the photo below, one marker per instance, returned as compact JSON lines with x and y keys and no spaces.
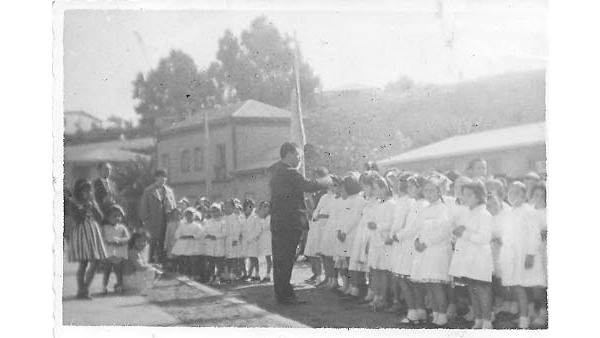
{"x":165,"y":161}
{"x":185,"y":161}
{"x":198,"y":159}
{"x":221,"y":158}
{"x":221,"y":162}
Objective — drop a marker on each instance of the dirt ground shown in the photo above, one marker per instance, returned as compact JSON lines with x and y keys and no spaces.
{"x":324,"y":308}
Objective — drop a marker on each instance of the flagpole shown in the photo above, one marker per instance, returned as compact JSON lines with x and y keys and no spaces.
{"x":207,"y":159}
{"x":299,"y":132}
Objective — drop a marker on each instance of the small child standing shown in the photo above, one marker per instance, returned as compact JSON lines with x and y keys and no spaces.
{"x":347,"y":229}
{"x":215,"y":233}
{"x":520,"y":259}
{"x":411,"y":290}
{"x":329,"y":240}
{"x":248,"y":212}
{"x":233,"y":247}
{"x":264,"y":239}
{"x":188,"y":243}
{"x":251,"y":233}
{"x":380,"y":227}
{"x":538,"y":199}
{"x":433,"y":249}
{"x":398,"y":232}
{"x":315,"y":236}
{"x":358,"y":263}
{"x":116,"y":237}
{"x":472,"y":262}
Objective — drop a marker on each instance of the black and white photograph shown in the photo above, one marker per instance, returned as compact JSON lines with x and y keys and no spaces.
{"x":327,"y":165}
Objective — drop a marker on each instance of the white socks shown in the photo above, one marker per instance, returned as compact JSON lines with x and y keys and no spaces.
{"x":487,"y":325}
{"x":442,"y":319}
{"x":478,"y":324}
{"x":412,"y":314}
{"x":370,"y":295}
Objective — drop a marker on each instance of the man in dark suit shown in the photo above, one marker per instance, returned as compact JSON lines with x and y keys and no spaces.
{"x":287,"y":206}
{"x":158,"y":200}
{"x":105,"y":190}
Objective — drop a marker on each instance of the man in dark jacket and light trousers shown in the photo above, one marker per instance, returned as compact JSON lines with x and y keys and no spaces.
{"x":287,"y":205}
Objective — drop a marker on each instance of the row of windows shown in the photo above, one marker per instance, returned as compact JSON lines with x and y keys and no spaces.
{"x":198,"y":157}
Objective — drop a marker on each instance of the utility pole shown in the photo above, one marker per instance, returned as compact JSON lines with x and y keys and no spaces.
{"x":207,"y":158}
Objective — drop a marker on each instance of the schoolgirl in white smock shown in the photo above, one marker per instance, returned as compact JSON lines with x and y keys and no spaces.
{"x":542,"y":220}
{"x":498,"y":221}
{"x":348,"y":223}
{"x":233,"y":246}
{"x":218,"y":229}
{"x":406,"y":238}
{"x":521,"y":237}
{"x":384,"y":217}
{"x":329,"y":240}
{"x":264,"y":238}
{"x":358,"y":252}
{"x":434,"y":230}
{"x":404,"y":205}
{"x":250,"y":235}
{"x":189,"y":246}
{"x":472,"y":256}
{"x":317,"y":228}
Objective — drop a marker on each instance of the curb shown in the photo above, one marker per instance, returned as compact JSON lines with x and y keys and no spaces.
{"x":285,"y":322}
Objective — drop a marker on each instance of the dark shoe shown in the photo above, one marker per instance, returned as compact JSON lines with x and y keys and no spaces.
{"x":266,"y":280}
{"x":349,"y":299}
{"x":322,"y":283}
{"x":83,"y":295}
{"x":311,"y":280}
{"x":255,"y":279}
{"x":396,"y":308}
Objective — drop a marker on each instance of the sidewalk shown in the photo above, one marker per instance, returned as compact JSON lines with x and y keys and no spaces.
{"x":172,"y":302}
{"x":108,"y":310}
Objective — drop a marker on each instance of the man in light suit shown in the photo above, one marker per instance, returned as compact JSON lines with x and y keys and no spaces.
{"x":105,"y":190}
{"x":157,"y":203}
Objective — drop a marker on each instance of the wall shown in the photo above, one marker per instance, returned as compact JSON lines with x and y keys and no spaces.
{"x":255,"y":186}
{"x":174,"y":145}
{"x":513,"y":162}
{"x":252,"y":139}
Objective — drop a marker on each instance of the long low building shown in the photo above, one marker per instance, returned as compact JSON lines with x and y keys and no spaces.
{"x":512,"y":151}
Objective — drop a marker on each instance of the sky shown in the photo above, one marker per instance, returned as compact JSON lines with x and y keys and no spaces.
{"x":460,"y":40}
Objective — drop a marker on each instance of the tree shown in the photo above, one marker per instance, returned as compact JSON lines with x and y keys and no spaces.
{"x":174,"y":88}
{"x":131,"y":179}
{"x":260,"y":65}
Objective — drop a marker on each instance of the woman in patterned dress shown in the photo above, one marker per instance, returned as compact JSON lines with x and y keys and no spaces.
{"x":85,"y":243}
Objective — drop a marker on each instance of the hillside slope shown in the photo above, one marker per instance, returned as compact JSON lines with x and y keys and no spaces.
{"x":347,"y":128}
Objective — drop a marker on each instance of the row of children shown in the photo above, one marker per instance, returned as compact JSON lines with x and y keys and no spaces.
{"x":422,"y":239}
{"x":220,"y":242}
{"x":102,"y":241}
